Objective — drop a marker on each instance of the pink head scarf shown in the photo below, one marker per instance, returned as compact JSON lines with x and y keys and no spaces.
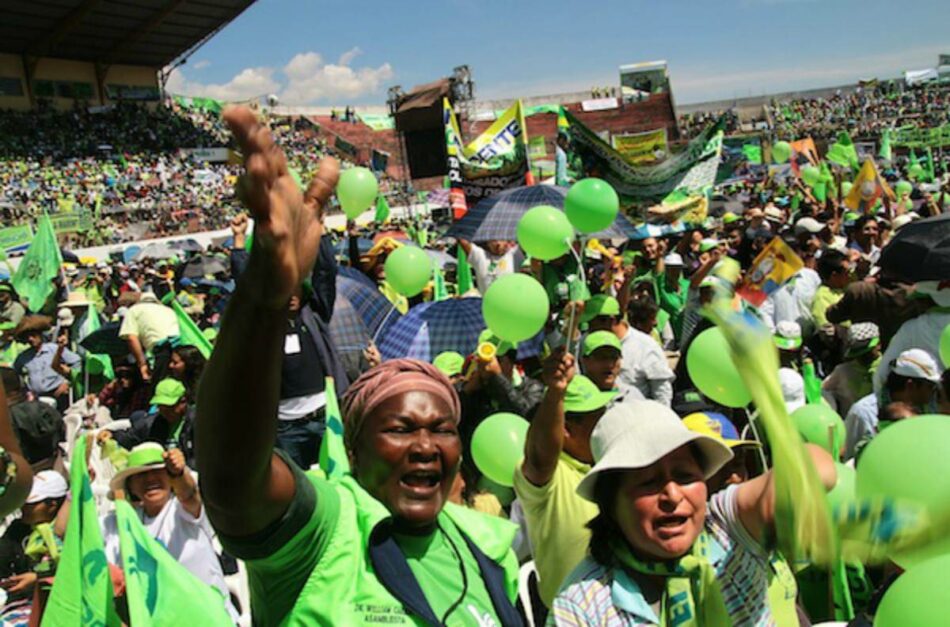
{"x":387,"y":380}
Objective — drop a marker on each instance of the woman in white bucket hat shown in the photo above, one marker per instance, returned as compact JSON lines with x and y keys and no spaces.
{"x":659,"y":554}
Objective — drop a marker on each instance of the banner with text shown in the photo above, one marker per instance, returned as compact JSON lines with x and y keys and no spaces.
{"x":640,"y":148}
{"x":15,"y":238}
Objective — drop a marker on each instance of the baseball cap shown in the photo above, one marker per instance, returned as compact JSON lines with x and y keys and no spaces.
{"x":862,"y":337}
{"x":917,"y":363}
{"x":583,"y":395}
{"x":673,"y":259}
{"x":904,"y":219}
{"x":501,"y":346}
{"x":47,"y":484}
{"x":449,"y":363}
{"x":168,"y":392}
{"x":793,"y":388}
{"x":774,"y":213}
{"x":600,"y":305}
{"x":729,"y":217}
{"x":599,"y":339}
{"x":808,"y":225}
{"x":788,"y":335}
{"x":708,"y":243}
{"x":715,"y":425}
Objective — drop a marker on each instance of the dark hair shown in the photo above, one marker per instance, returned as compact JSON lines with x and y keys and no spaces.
{"x":829,"y":262}
{"x":194,"y":366}
{"x":860,"y":222}
{"x":603,"y":527}
{"x":11,"y":381}
{"x":641,"y":310}
{"x":896,"y":382}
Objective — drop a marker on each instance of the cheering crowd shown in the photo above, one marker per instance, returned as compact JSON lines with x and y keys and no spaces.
{"x":638,"y":493}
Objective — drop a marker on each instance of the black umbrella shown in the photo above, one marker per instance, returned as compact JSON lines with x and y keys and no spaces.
{"x":919,"y":251}
{"x":68,"y":256}
{"x":200,"y":266}
{"x":106,"y":340}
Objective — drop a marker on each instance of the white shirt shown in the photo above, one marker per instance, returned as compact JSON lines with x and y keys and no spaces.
{"x":188,"y":540}
{"x":860,"y":422}
{"x":644,"y":367}
{"x":921,"y":332}
{"x":488,"y":267}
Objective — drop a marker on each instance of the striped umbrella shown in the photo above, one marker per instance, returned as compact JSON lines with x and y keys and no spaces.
{"x":434,"y":327}
{"x":497,"y":217}
{"x":365,"y":298}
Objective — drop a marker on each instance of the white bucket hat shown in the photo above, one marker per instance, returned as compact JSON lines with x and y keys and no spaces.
{"x":636,"y":434}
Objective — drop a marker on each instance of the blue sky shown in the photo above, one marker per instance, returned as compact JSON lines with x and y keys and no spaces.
{"x":349,"y":52}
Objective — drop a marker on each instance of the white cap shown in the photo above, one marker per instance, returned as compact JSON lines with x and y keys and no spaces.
{"x":793,"y":388}
{"x":774,"y":213}
{"x":917,"y":363}
{"x":808,"y":225}
{"x":65,"y":317}
{"x":904,"y":219}
{"x":47,"y":484}
{"x":673,"y":259}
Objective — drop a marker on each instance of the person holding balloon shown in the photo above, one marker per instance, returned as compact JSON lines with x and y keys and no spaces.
{"x":379,"y":543}
{"x":557,"y":456}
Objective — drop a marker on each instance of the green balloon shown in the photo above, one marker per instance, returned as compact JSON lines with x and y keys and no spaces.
{"x":819,"y":424}
{"x":908,"y":462}
{"x":498,"y":446}
{"x":903,"y":187}
{"x":843,"y":492}
{"x":781,"y":151}
{"x":591,"y":205}
{"x":945,"y":346}
{"x":711,"y":368}
{"x":545,"y":233}
{"x":846,"y":188}
{"x":515,"y":307}
{"x":408,"y":270}
{"x":918,"y":598}
{"x":357,"y":191}
{"x":811,"y":175}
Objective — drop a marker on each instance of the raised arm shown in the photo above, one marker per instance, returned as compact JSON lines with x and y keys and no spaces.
{"x":245,"y":487}
{"x":546,"y":433}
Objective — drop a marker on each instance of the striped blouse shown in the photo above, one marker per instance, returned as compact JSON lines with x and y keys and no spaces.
{"x":595,"y":595}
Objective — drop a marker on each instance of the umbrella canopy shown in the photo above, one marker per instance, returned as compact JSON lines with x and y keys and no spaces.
{"x":129,"y":253}
{"x":342,"y":247}
{"x":431,"y":328}
{"x":497,"y":217}
{"x":347,"y":329}
{"x":920,"y":251}
{"x":156,"y":251}
{"x":106,"y":340}
{"x":187,"y":245}
{"x":202,"y":265}
{"x":369,"y":303}
{"x":356,"y":275}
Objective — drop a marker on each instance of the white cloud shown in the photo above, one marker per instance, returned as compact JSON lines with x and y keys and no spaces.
{"x":200,"y":64}
{"x":305,"y":79}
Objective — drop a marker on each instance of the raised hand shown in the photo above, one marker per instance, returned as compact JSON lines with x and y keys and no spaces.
{"x":287,"y":223}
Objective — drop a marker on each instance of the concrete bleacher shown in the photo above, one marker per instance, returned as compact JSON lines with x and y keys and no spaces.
{"x":363,"y":138}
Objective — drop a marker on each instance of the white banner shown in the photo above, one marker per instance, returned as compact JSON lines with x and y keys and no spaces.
{"x":599,"y":104}
{"x":213,"y":155}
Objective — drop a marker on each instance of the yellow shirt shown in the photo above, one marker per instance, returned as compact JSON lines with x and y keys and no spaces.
{"x":151,"y":321}
{"x":825,"y":297}
{"x":557,"y":523}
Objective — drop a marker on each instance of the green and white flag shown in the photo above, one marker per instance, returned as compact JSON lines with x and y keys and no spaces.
{"x":82,"y":589}
{"x":159,"y":590}
{"x":33,"y":279}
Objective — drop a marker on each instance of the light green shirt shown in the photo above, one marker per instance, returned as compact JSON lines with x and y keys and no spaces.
{"x":825,"y":297}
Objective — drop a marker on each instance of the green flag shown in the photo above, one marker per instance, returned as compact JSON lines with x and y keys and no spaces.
{"x":463,"y":273}
{"x":812,"y":383}
{"x":188,"y":331}
{"x":82,"y":589}
{"x":159,"y":590}
{"x":929,"y":170}
{"x":438,"y":280}
{"x":33,"y":279}
{"x":752,"y":153}
{"x":843,"y":152}
{"x":333,"y":459}
{"x":100,"y":362}
{"x":382,"y":210}
{"x":885,"y":152}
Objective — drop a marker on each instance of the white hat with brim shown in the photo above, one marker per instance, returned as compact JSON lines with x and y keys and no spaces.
{"x":637,"y":434}
{"x":142,"y":458}
{"x":47,"y":484}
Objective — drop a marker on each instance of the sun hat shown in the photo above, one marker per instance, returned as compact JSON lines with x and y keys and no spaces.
{"x":600,"y":305}
{"x":599,"y":339}
{"x":673,"y":259}
{"x":808,"y":225}
{"x":916,"y":363}
{"x":638,"y":433}
{"x":502,"y":347}
{"x":76,"y":299}
{"x":716,"y":425}
{"x":47,"y":484}
{"x":793,"y":388}
{"x":449,"y":362}
{"x":862,"y":337}
{"x":582,"y":395}
{"x":32,"y":323}
{"x":168,"y":392}
{"x":788,"y":335}
{"x":142,"y":458}
{"x":774,"y":213}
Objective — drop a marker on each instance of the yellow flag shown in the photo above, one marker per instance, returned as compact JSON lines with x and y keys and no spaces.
{"x":868,"y":187}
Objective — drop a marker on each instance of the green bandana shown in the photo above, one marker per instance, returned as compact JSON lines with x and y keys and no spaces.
{"x":692,"y":597}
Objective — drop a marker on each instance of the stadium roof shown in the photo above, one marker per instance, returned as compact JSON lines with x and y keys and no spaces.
{"x":134,"y":32}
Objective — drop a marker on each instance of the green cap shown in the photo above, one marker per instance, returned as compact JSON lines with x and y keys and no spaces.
{"x":501,"y":346}
{"x":168,"y":392}
{"x":599,"y":339}
{"x":600,"y":305}
{"x":787,"y":343}
{"x":583,"y":396}
{"x":708,"y":244}
{"x":729,"y":217}
{"x":146,"y":454}
{"x":449,"y":363}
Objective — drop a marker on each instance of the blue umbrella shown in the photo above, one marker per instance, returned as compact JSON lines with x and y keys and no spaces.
{"x":434,"y":327}
{"x":496,"y":217}
{"x":371,"y":306}
{"x":347,"y":329}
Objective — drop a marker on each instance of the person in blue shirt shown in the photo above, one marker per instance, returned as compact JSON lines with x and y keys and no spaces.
{"x":47,"y":365}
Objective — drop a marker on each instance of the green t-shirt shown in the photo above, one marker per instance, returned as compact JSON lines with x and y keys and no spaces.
{"x":432,"y":557}
{"x":674,"y":303}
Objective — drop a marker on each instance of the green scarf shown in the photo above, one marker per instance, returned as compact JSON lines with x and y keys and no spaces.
{"x":692,"y":597}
